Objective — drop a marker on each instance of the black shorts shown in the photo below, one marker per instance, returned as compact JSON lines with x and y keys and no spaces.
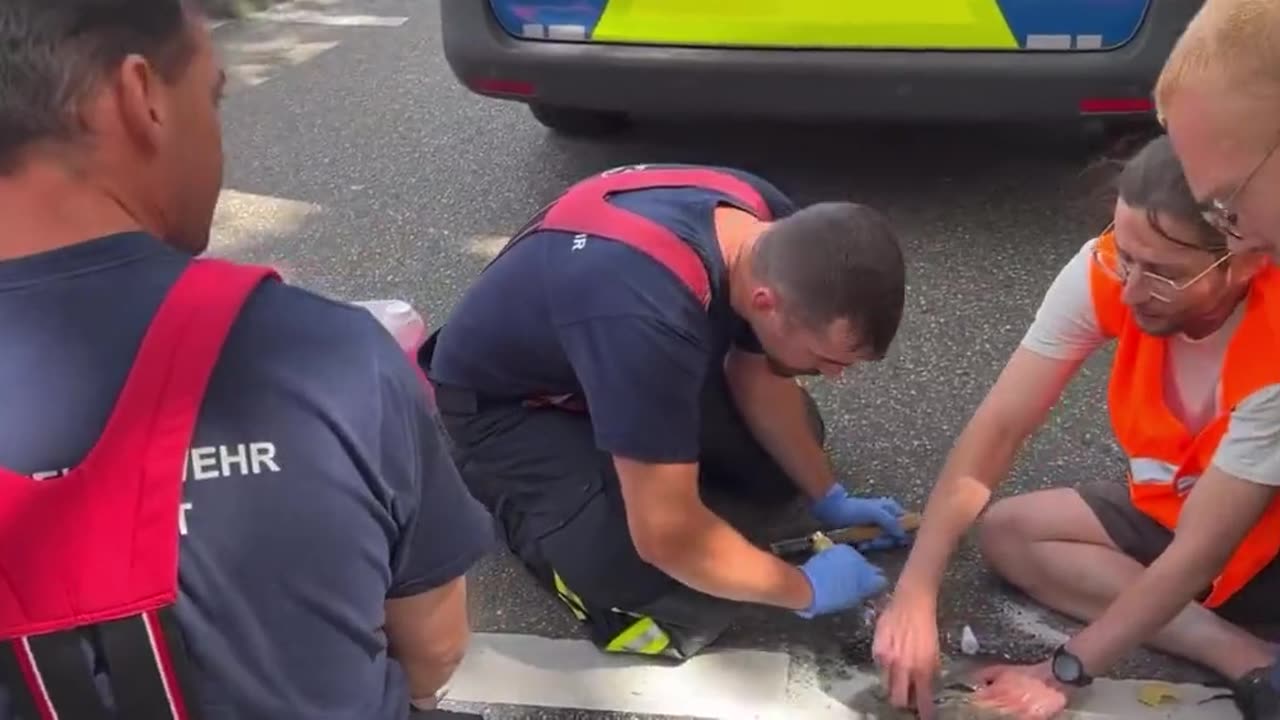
{"x":1144,"y":539}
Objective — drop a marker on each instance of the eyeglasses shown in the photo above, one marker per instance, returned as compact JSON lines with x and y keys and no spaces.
{"x":1220,"y":213}
{"x":1158,"y":286}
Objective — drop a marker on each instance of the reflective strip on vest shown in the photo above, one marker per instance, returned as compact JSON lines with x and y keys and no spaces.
{"x":1150,"y":471}
{"x":642,"y":637}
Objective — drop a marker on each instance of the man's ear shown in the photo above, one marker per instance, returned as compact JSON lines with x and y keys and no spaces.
{"x":139,"y":93}
{"x":764,"y":299}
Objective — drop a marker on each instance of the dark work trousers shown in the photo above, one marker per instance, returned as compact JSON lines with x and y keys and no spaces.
{"x":557,"y":501}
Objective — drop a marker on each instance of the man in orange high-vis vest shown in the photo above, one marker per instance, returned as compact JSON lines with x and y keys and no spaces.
{"x":1185,"y":543}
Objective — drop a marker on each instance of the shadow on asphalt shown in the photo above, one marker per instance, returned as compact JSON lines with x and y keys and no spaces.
{"x":962,"y":151}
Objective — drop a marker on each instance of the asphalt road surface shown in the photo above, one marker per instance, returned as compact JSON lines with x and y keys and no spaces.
{"x":361,"y":169}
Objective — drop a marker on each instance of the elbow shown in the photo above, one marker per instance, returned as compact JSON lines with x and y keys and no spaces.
{"x":659,"y":546}
{"x":448,"y":654}
{"x":431,"y":666}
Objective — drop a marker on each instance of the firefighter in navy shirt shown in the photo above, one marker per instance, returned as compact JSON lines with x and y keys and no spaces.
{"x":634,"y":352}
{"x":296,"y":486}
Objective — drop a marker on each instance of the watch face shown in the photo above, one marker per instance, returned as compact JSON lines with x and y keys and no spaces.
{"x":1066,"y":667}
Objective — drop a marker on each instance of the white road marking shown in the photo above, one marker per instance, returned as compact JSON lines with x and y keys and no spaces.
{"x":1031,"y":621}
{"x":728,"y":684}
{"x":244,"y":221}
{"x":310,"y":17}
{"x":486,"y":247}
{"x":251,"y":64}
{"x":530,"y":670}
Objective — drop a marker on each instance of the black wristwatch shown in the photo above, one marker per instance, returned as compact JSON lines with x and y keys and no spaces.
{"x":1067,"y":668}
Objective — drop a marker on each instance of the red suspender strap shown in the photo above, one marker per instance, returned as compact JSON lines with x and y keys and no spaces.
{"x":96,"y":551}
{"x":585,"y":209}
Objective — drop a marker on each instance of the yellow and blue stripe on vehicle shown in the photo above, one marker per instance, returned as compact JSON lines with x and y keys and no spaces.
{"x":831,"y":24}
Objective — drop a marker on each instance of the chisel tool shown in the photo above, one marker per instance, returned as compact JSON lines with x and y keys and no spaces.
{"x":844,"y":536}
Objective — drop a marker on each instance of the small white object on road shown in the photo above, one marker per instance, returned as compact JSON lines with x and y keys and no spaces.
{"x":969,"y":642}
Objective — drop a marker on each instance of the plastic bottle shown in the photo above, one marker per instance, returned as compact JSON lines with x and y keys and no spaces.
{"x":404,"y":323}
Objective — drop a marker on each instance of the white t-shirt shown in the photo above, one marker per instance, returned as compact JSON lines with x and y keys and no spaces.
{"x":1066,"y":328}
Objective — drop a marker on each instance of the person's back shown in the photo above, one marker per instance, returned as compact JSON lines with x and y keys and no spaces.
{"x":293,"y":508}
{"x":323,"y":530}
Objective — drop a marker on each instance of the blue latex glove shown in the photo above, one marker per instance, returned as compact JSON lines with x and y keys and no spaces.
{"x":841,"y":579}
{"x":838,"y":509}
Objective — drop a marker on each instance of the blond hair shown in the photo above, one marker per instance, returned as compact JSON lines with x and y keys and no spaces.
{"x":1231,"y":43}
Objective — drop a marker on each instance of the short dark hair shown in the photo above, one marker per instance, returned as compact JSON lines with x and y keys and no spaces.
{"x":52,"y":52}
{"x":1153,"y":180}
{"x":837,"y":260}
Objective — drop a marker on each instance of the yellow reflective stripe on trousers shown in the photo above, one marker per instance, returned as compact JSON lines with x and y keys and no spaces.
{"x":1151,"y":471}
{"x":570,"y":597}
{"x":643,"y":637}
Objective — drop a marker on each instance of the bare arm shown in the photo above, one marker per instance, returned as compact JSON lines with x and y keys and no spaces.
{"x":1217,"y":515}
{"x":1014,"y":408}
{"x":428,"y":634}
{"x":774,"y":409}
{"x":674,"y":531}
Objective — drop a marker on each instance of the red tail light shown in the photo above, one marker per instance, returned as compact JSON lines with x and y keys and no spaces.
{"x":502,"y":86}
{"x":1116,"y":105}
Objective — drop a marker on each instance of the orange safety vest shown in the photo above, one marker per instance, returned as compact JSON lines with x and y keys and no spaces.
{"x":1165,"y":460}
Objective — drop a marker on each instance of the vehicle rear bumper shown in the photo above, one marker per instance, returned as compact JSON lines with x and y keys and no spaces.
{"x":830,"y":84}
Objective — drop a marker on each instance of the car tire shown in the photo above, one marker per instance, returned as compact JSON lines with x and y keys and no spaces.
{"x":579,"y":123}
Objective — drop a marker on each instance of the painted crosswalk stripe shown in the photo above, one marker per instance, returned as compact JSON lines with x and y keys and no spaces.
{"x":310,"y":17}
{"x":731,"y":684}
{"x":246,"y":222}
{"x":543,"y":672}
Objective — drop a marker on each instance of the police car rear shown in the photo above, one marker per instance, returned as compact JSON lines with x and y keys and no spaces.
{"x":588,"y":65}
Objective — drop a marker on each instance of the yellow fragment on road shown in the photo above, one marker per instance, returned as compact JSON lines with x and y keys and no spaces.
{"x":1156,"y":694}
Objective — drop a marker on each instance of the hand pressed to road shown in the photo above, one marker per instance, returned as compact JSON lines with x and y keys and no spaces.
{"x":907,"y":651}
{"x":1024,"y":692}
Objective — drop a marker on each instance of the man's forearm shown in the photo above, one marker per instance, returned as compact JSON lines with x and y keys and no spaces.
{"x":775,"y":410}
{"x":980,"y":460}
{"x":1150,"y":603}
{"x":428,"y":634}
{"x":710,"y":556}
{"x":1214,"y":520}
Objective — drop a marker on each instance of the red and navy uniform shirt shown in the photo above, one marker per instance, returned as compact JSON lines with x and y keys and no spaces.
{"x":564,"y":314}
{"x":317,"y":486}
